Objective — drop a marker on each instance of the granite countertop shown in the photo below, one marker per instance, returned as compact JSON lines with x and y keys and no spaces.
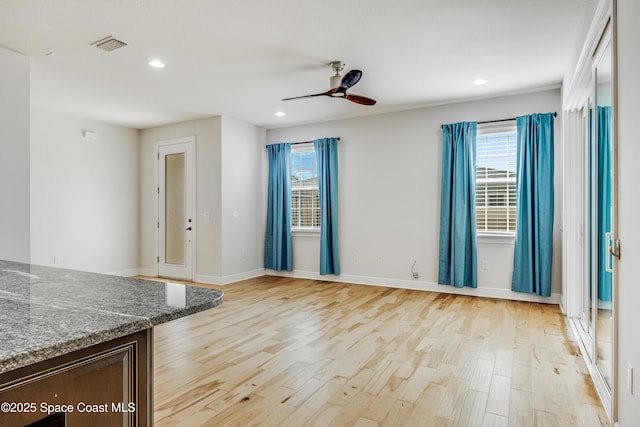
{"x":46,"y":312}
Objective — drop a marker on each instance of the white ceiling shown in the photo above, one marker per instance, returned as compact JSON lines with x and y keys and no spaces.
{"x":240,"y":57}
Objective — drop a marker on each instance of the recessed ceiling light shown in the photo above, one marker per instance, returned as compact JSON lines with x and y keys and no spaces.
{"x":480,"y":81}
{"x":280,"y":114}
{"x":156,"y":63}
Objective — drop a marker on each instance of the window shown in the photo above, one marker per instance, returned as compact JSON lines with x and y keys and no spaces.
{"x":496,"y":180}
{"x":305,"y":198}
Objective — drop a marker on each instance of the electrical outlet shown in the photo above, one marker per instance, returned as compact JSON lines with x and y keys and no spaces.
{"x":630,"y":378}
{"x":356,"y":257}
{"x":484,"y":264}
{"x":380,"y":259}
{"x":415,"y":274}
{"x":56,"y":259}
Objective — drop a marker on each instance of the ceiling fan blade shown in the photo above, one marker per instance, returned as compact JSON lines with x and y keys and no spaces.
{"x":349,"y":79}
{"x":327,"y":93}
{"x":359,"y":99}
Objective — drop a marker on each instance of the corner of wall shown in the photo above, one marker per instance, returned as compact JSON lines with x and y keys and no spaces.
{"x":15,"y":164}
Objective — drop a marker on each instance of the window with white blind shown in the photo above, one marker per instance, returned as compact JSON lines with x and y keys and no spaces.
{"x":496,"y":180}
{"x":305,"y":198}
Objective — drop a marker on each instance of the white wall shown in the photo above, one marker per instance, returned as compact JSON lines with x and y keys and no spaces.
{"x":84,"y":194}
{"x":628,"y":60}
{"x":228,"y":248}
{"x":14,"y":161}
{"x":242,"y":208}
{"x":208,"y":159}
{"x":390,"y":168}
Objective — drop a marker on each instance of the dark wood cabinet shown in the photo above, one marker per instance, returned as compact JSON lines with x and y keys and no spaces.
{"x":108,"y":384}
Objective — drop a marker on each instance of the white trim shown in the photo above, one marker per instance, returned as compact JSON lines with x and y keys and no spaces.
{"x":127,"y":273}
{"x":497,"y":127}
{"x":562,"y":308}
{"x":496,"y":238}
{"x":149,"y":272}
{"x":596,"y":377}
{"x":231,"y":278}
{"x":419,"y":285}
{"x":307,"y":232}
{"x":200,"y":278}
{"x":305,"y":146}
{"x":579,"y":82}
{"x":189,"y":142}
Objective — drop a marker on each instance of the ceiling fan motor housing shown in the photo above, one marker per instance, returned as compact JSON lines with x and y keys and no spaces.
{"x":335,"y":80}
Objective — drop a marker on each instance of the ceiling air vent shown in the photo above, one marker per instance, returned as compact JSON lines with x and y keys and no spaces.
{"x":108,"y":43}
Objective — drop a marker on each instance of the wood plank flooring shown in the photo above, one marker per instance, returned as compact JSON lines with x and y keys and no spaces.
{"x":291,"y":352}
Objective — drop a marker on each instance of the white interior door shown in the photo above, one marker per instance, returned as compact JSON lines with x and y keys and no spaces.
{"x":176,"y":222}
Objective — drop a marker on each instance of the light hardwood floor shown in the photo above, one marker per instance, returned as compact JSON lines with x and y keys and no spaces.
{"x":290,"y":352}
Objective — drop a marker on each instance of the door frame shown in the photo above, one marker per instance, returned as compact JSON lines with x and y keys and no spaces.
{"x":189,"y":144}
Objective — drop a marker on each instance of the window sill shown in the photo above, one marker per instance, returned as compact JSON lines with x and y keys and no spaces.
{"x":311,"y":232}
{"x":496,"y":238}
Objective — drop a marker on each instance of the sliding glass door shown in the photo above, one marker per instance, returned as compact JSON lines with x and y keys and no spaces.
{"x":590,"y":246}
{"x":602,"y":213}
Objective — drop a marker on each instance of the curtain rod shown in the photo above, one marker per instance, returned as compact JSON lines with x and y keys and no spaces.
{"x":506,"y":120}
{"x":302,"y":142}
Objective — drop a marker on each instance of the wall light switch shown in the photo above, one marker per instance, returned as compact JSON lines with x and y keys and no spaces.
{"x":236,"y":214}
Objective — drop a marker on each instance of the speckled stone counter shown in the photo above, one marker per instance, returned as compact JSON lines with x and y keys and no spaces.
{"x":46,"y":312}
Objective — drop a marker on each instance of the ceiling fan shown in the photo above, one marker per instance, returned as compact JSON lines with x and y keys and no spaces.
{"x":339,"y":86}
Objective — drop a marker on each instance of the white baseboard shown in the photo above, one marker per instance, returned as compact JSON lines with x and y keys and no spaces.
{"x":131,"y":272}
{"x":562,"y":309}
{"x":420,"y":285}
{"x":231,"y":278}
{"x":201,"y":278}
{"x":489,"y":292}
{"x":150,"y":272}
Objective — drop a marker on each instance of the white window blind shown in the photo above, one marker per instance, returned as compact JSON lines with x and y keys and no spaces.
{"x":305,"y":198}
{"x":496,"y":181}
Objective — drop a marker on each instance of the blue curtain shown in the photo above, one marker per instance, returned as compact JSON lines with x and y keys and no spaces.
{"x":458,"y":251}
{"x":327,"y":162}
{"x":534,"y":205}
{"x":278,"y":245}
{"x":605,"y":178}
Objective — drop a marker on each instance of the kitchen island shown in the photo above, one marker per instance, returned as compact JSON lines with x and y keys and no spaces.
{"x":76,"y":348}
